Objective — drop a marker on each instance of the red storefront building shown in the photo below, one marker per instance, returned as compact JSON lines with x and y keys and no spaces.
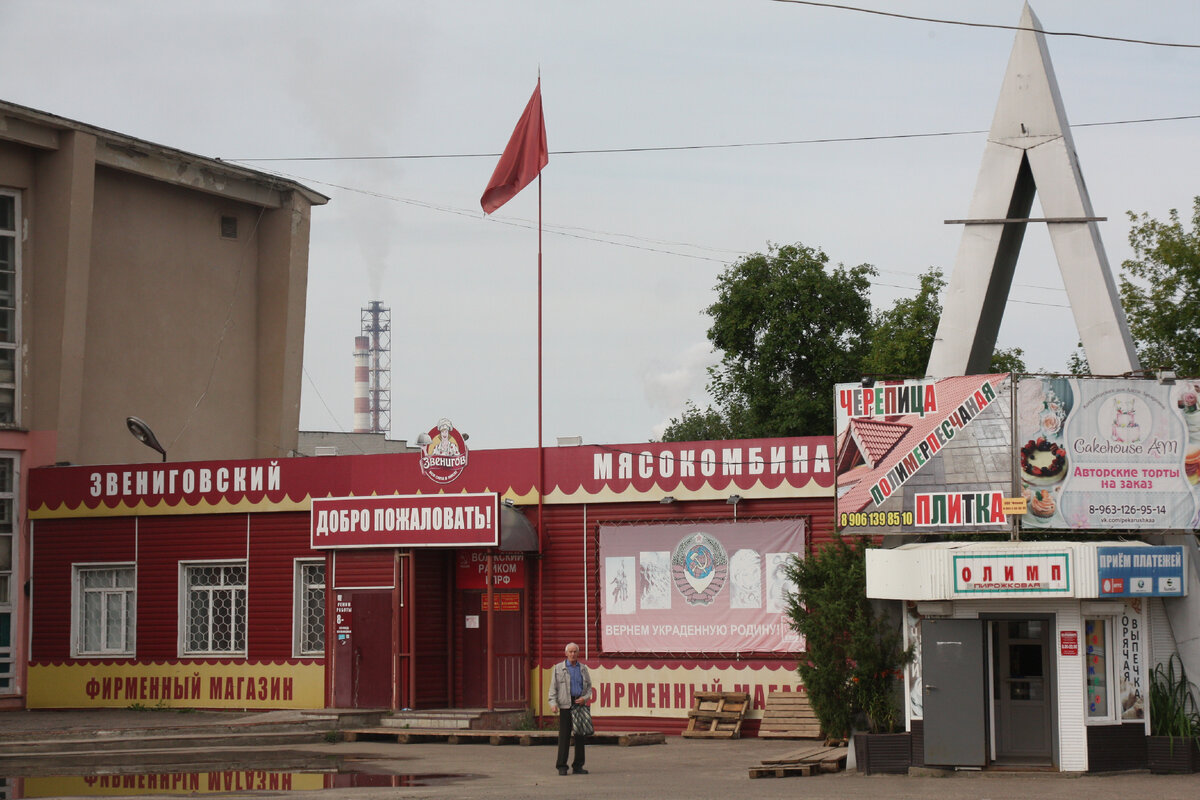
{"x":363,"y":581}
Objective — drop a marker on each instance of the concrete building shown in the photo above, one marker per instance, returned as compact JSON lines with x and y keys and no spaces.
{"x":136,"y":280}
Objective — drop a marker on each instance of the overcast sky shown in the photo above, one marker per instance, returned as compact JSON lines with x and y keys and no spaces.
{"x":634,"y":241}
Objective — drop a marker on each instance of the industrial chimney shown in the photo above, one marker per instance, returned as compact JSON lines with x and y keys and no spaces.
{"x":373,"y":371}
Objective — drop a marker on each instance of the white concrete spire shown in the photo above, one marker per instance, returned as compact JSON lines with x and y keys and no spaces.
{"x":1029,"y":150}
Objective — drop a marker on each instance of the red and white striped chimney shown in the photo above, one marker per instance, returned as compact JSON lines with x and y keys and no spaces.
{"x":362,"y":384}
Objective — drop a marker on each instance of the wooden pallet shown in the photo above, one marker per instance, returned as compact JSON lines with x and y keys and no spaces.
{"x":717,"y":715}
{"x":806,"y":761}
{"x":524,"y":738}
{"x":789,"y":716}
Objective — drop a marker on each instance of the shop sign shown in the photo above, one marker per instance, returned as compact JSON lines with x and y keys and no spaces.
{"x":508,"y":570}
{"x":430,"y":520}
{"x":217,"y":781}
{"x":177,"y":684}
{"x":343,"y":617}
{"x":1108,"y":453}
{"x":629,"y":690}
{"x":445,"y":457}
{"x":1141,"y":571}
{"x":1018,"y":573}
{"x":503,"y":601}
{"x":1068,"y":643}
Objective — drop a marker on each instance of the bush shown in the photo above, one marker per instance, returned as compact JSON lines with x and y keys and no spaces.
{"x":852,"y":655}
{"x":1173,"y":709}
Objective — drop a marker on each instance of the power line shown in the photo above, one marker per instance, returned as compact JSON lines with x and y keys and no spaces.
{"x":995,"y":26}
{"x":684,"y":147}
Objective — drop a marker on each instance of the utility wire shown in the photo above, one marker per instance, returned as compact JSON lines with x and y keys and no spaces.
{"x":994,"y":26}
{"x":684,"y":147}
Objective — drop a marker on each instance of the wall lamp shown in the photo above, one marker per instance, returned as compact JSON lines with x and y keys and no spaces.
{"x":734,"y":499}
{"x":667,"y":500}
{"x":1165,"y":376}
{"x":141,"y":431}
{"x":867,"y":382}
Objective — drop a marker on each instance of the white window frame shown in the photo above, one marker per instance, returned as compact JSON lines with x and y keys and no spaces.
{"x":77,"y":610}
{"x":1111,"y":648}
{"x":15,"y":345}
{"x":300,"y":613}
{"x":9,"y":599}
{"x":184,"y":608}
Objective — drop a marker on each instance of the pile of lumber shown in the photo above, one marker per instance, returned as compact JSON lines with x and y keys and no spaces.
{"x":789,"y":716}
{"x":717,"y":715}
{"x":812,"y":760}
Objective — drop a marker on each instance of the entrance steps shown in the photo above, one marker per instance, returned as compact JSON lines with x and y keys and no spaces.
{"x":462,"y":719}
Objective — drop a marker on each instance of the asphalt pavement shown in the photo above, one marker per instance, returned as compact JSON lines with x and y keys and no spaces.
{"x":681,"y":768}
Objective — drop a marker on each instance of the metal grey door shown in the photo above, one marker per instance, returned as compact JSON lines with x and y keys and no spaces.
{"x":954,"y":692}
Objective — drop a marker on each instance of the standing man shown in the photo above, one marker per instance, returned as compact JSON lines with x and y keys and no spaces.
{"x":570,"y":685}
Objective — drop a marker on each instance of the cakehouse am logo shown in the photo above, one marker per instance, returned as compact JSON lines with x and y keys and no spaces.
{"x":445,"y":457}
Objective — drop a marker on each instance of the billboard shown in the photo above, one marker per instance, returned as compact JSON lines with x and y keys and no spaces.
{"x":924,"y":456}
{"x":1108,"y":453}
{"x":698,"y":588}
{"x":976,"y":453}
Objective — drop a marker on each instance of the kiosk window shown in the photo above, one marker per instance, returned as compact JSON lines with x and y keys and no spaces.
{"x":1098,"y":666}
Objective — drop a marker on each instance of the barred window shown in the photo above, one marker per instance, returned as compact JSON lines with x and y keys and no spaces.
{"x":215,"y":613}
{"x":310,"y":608}
{"x":104,"y":603}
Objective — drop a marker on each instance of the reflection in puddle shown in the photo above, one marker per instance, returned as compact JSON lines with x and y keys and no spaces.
{"x":207,"y":782}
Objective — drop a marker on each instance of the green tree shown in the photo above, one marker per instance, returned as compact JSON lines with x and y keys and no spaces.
{"x":902,"y":336}
{"x":788,"y":327}
{"x":853,"y":656}
{"x":1160,"y":290}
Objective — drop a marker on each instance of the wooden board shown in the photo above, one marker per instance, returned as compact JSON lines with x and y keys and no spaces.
{"x":821,"y":759}
{"x":782,"y":771}
{"x":717,"y":715}
{"x":788,"y":715}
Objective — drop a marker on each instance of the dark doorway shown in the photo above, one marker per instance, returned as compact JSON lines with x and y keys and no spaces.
{"x":1022,"y":691}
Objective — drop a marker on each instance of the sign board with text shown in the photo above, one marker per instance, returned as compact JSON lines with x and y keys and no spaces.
{"x":418,"y":520}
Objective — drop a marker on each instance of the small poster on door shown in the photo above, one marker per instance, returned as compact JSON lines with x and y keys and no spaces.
{"x":472,"y":620}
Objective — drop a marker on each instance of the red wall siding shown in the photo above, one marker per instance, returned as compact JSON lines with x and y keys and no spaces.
{"x":56,"y":546}
{"x":162,"y":543}
{"x":275,"y":541}
{"x":571,"y":601}
{"x":433,"y":631}
{"x":363,"y":569}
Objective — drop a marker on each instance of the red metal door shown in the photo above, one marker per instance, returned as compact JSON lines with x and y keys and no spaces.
{"x":363,"y":660}
{"x":508,"y":639}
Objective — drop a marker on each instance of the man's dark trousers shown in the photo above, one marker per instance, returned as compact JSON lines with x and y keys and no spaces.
{"x":564,"y":742}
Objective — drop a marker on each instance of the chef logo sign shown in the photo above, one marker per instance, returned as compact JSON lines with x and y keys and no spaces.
{"x":445,"y":457}
{"x":699,"y":567}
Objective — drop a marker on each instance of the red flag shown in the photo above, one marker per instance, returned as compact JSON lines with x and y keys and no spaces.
{"x":522,"y":159}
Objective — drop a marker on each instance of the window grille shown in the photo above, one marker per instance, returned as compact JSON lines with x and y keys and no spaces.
{"x":216,"y":609}
{"x":311,"y":608}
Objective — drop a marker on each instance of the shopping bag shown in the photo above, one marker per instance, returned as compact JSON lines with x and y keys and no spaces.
{"x":581,"y":720}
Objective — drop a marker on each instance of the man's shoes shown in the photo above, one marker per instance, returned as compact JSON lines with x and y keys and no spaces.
{"x":581,"y":771}
{"x":562,"y":770}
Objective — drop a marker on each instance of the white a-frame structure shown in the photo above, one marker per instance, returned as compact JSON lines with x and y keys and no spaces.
{"x":1029,"y":149}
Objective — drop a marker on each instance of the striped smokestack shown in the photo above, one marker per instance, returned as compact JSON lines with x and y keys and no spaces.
{"x":362,"y":384}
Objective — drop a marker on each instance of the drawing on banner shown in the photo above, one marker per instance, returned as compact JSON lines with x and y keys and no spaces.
{"x":745,"y":579}
{"x":656,"y":579}
{"x":779,"y":585}
{"x":700,"y":568}
{"x":619,"y":599}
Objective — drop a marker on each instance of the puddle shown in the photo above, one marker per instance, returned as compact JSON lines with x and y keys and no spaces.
{"x":210,"y":782}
